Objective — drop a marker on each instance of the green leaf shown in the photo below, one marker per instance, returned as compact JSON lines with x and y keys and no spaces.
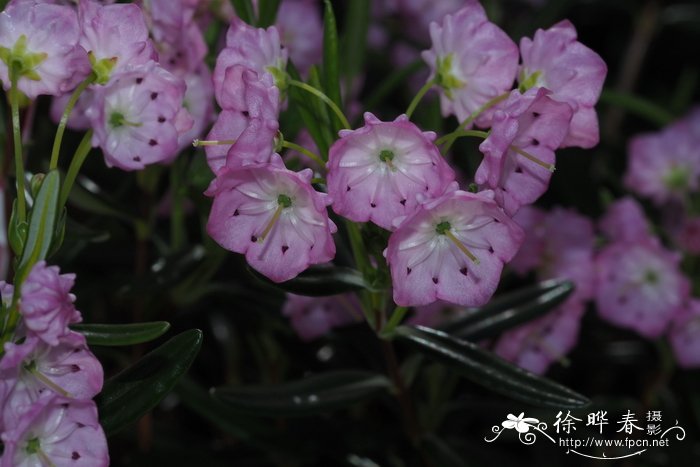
{"x":354,"y":41}
{"x":16,"y":231}
{"x":331,"y":65}
{"x":95,"y":201}
{"x":320,"y":281}
{"x":267,"y":12}
{"x":309,"y":396}
{"x":136,"y":390}
{"x":42,"y":224}
{"x":121,"y":334}
{"x":244,"y":10}
{"x":307,"y":112}
{"x":512,"y":310}
{"x":487,"y":370}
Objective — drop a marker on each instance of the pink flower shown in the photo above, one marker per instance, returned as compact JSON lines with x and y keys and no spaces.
{"x":168,"y":18}
{"x":417,"y":15}
{"x":537,"y":344}
{"x":139,"y":117}
{"x":519,"y":151}
{"x":314,"y":317}
{"x":55,"y":431}
{"x":273,"y":216}
{"x":376,"y":172}
{"x":664,"y":166}
{"x":199,"y":102}
{"x":452,"y":248}
{"x":78,"y":119}
{"x":46,"y":303}
{"x":43,"y":38}
{"x":251,"y":109}
{"x":624,"y":221}
{"x":472,"y":61}
{"x":256,"y":49}
{"x":639,"y":286}
{"x":116,"y":36}
{"x":685,"y":335}
{"x":69,"y":369}
{"x":554,"y":59}
{"x":301,"y":31}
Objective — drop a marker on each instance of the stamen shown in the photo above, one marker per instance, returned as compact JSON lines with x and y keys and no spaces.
{"x":202,"y":142}
{"x":532,"y":158}
{"x":31,"y":368}
{"x":387,"y":157}
{"x":462,"y":247}
{"x":283,"y":201}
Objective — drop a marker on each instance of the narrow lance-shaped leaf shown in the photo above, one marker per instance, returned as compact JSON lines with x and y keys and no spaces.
{"x":136,"y":390}
{"x":354,"y":41}
{"x":121,"y":334}
{"x":488,"y":370}
{"x":331,"y":61}
{"x":512,"y":310}
{"x":320,"y":281}
{"x":267,"y":12}
{"x":306,"y":109}
{"x":309,"y":396}
{"x":244,"y":10}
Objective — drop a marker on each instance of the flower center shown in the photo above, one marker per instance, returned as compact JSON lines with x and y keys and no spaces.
{"x":387,"y":156}
{"x":33,"y":446}
{"x":283,"y":202}
{"x":529,"y":81}
{"x":443,"y":228}
{"x":677,"y":178}
{"x":445,"y":78}
{"x":651,"y":277}
{"x":117,"y":119}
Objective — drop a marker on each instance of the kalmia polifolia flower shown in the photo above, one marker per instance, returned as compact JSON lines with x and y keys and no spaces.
{"x":314,"y":317}
{"x":115,"y":37}
{"x":554,"y":59}
{"x":416,"y":15}
{"x":537,"y":344}
{"x":41,"y":40}
{"x":199,"y":102}
{"x":254,"y":48}
{"x":245,"y":129}
{"x":69,"y":368}
{"x":46,"y":303}
{"x":452,"y":248}
{"x":685,"y":335}
{"x":519,"y":151}
{"x":139,"y":117}
{"x":375,"y":173}
{"x":54,"y":431}
{"x":664,"y":166}
{"x":639,"y":286}
{"x":301,"y":32}
{"x":472,"y":61}
{"x":625,"y":221}
{"x":273,"y":216}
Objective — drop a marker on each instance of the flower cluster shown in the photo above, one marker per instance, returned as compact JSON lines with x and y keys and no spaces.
{"x":48,"y":378}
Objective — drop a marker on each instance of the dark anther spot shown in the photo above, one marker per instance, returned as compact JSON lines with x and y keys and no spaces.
{"x":535,"y":142}
{"x":408,"y":271}
{"x":311,"y":247}
{"x":490,"y":249}
{"x":518,"y":170}
{"x":152,"y":142}
{"x":284,"y":249}
{"x":178,"y":54}
{"x":427,"y":188}
{"x":65,"y":405}
{"x":74,"y":368}
{"x":373,"y":205}
{"x":535,"y":114}
{"x":463,"y":271}
{"x":172,"y":61}
{"x":75,"y":456}
{"x":139,"y":80}
{"x":161,"y":119}
{"x":253,"y":238}
{"x":245,"y":113}
{"x":403,"y":202}
{"x":235,"y":213}
{"x":435,"y":280}
{"x":496,"y":220}
{"x":80,"y":425}
{"x":348,"y":188}
{"x":154,"y":95}
{"x":137,"y":158}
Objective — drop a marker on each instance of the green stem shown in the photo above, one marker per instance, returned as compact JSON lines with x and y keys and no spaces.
{"x":75,"y":165}
{"x":64,"y":119}
{"x":393,"y":81}
{"x":17,"y":138}
{"x":450,"y":138}
{"x":358,"y":248}
{"x":394,"y":320}
{"x":637,"y":106}
{"x":421,"y":92}
{"x":316,"y":158}
{"x":327,"y":100}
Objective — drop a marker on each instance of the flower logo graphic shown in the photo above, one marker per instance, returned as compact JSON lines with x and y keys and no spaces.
{"x":521,"y":424}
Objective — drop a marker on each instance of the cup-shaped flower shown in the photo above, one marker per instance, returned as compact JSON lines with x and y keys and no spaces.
{"x":519,"y":151}
{"x":314,"y":317}
{"x":685,"y":335}
{"x":257,"y":49}
{"x":40,"y":40}
{"x":625,"y":221}
{"x":273,"y":216}
{"x":199,"y":102}
{"x":472,"y":61}
{"x":375,"y":173}
{"x":546,"y":340}
{"x":452,"y":248}
{"x":46,"y":303}
{"x":69,"y":369}
{"x":664,"y":166}
{"x":639,"y":286}
{"x":115,"y":36}
{"x":139,"y":117}
{"x":554,"y":59}
{"x":55,"y":431}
